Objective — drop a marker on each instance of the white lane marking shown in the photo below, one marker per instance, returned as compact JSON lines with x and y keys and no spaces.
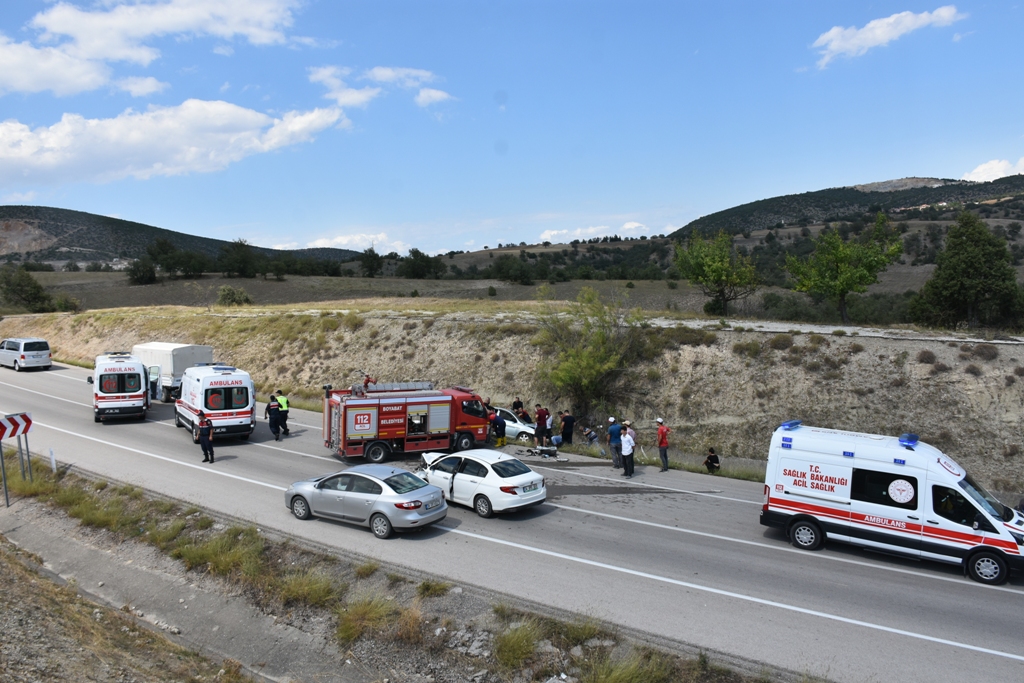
{"x":737,"y":596}
{"x":261,"y":445}
{"x":803,"y":553}
{"x":56,"y":398}
{"x":37,"y":423}
{"x":630,"y":482}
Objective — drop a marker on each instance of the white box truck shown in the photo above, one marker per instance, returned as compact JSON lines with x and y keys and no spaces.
{"x":168,"y":362}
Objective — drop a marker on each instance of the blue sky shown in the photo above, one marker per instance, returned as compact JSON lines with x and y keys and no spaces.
{"x":453,"y":125}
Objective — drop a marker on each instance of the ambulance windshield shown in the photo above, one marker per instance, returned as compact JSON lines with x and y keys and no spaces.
{"x":985,"y":499}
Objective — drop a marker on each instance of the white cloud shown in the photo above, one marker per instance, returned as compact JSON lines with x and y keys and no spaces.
{"x":380,"y":241}
{"x":407,"y":78}
{"x":25,"y":68}
{"x":633,"y":225}
{"x":589,"y":232}
{"x":993,"y":170}
{"x":224,"y":50}
{"x":196,"y":136}
{"x":139,"y":86}
{"x":288,"y":245}
{"x":18,"y":198}
{"x":117,"y":31}
{"x":429,"y":96}
{"x":337,"y":90}
{"x":853,"y":42}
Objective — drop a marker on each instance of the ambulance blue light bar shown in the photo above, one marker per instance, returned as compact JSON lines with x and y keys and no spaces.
{"x":790,"y":425}
{"x":908,"y":440}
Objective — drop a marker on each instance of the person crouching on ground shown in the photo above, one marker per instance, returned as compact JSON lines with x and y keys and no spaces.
{"x":712,"y":462}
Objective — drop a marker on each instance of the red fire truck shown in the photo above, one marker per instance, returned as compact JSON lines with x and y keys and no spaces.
{"x":374,"y":419}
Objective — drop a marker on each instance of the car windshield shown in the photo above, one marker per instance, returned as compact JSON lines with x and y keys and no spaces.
{"x":509,"y":468}
{"x":37,"y":346}
{"x":983,"y":498}
{"x":404,"y":482}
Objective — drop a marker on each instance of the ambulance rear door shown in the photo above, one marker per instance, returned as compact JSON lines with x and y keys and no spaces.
{"x":886,"y":507}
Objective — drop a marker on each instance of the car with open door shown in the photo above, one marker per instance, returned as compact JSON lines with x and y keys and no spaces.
{"x":515,"y":427}
{"x":385,"y":499}
{"x":486,"y":480}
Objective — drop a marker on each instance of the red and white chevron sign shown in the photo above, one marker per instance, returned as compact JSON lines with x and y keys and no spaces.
{"x":15,"y":425}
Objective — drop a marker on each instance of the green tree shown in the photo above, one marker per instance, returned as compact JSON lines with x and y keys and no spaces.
{"x":141,"y":271}
{"x":371,"y":263}
{"x":837,"y":267}
{"x":973,"y":283}
{"x":717,"y":268}
{"x":590,"y":346}
{"x":71,"y":266}
{"x":20,"y":289}
{"x":238,"y":259}
{"x":420,"y":266}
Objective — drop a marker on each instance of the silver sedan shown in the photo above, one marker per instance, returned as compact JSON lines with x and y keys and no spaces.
{"x":386,"y":499}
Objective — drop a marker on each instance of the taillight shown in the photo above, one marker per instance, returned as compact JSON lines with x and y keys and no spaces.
{"x":767,"y":491}
{"x":409,"y":505}
{"x":23,"y":356}
{"x":511,"y":490}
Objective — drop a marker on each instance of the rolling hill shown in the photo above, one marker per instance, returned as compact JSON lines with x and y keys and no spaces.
{"x":41,"y":233}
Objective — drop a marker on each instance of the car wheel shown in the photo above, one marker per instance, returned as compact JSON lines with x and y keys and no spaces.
{"x":165,"y":395}
{"x":17,"y":366}
{"x":987,"y":568}
{"x":300,"y":508}
{"x":244,"y":437}
{"x":376,"y":453}
{"x":195,"y":434}
{"x":806,"y":535}
{"x":524,"y":437}
{"x":381,"y":526}
{"x":96,"y":418}
{"x":463,"y":442}
{"x":483,"y":507}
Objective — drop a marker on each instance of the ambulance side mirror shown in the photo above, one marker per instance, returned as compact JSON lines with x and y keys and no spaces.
{"x":979,"y":521}
{"x":89,"y":380}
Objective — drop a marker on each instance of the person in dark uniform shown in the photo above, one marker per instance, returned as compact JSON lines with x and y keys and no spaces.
{"x":273,"y":413}
{"x":712,"y":462}
{"x":206,"y":437}
{"x":498,"y":425}
{"x":517,"y":405}
{"x":282,"y":413}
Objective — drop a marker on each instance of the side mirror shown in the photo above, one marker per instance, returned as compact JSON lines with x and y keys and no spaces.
{"x":89,"y":379}
{"x":979,"y":520}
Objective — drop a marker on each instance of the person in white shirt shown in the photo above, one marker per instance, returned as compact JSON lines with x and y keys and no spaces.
{"x":628,"y":444}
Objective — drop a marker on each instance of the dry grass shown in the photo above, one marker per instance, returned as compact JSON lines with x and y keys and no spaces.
{"x":514,"y":646}
{"x":410,"y":623}
{"x":367,"y":569}
{"x":366,"y":614}
{"x":429,"y":588}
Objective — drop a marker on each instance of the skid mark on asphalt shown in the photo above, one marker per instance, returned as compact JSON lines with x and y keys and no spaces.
{"x":630,"y":483}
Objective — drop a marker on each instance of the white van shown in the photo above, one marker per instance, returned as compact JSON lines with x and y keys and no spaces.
{"x":896,"y":495}
{"x":224,"y":393}
{"x":25,"y":353}
{"x":120,"y":387}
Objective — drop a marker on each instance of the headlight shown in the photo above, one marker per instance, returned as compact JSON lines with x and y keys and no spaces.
{"x":1017,"y":537}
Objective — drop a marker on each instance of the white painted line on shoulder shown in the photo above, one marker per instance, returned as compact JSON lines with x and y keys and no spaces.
{"x":261,"y":445}
{"x":39,"y":393}
{"x":161,"y":457}
{"x":737,"y":596}
{"x":645,"y":485}
{"x":785,"y":549}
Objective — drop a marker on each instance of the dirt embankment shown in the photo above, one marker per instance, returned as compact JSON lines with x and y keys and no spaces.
{"x":963,"y":396}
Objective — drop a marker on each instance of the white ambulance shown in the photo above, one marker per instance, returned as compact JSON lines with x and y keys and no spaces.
{"x":225,"y":394}
{"x":896,"y":495}
{"x":120,"y":387}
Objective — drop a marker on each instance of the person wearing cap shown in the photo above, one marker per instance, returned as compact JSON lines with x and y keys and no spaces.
{"x":629,"y":429}
{"x":205,"y":430}
{"x":615,"y":442}
{"x":273,"y":413}
{"x":628,"y":446}
{"x":663,"y":432}
{"x":282,"y":414}
{"x":498,"y":425}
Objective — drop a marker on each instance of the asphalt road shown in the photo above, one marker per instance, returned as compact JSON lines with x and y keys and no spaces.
{"x":679,"y":555}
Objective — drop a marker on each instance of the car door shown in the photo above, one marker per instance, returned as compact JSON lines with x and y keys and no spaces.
{"x":886,"y":510}
{"x":329,"y":498}
{"x":360,"y":498}
{"x":5,"y":353}
{"x":949,"y":525}
{"x":466,"y":481}
{"x":440,"y":474}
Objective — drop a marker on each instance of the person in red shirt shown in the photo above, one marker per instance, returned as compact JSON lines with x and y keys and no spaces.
{"x":663,"y":432}
{"x":541,"y":430}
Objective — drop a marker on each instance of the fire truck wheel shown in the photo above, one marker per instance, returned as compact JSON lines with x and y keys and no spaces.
{"x":300,"y":508}
{"x":483,"y":507}
{"x":377,"y":453}
{"x":987,"y":568}
{"x":806,"y":535}
{"x":380,"y":525}
{"x":463,"y":442}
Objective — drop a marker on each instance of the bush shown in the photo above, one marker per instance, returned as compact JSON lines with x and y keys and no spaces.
{"x":66,"y":303}
{"x":516,"y":646}
{"x":781,"y":342}
{"x":939,"y":367}
{"x":925,"y":356}
{"x":973,"y":369}
{"x":839,"y":333}
{"x":856,"y":348}
{"x":986,"y":351}
{"x":672,"y":284}
{"x":233,"y":296}
{"x":20,"y":289}
{"x":491,"y":291}
{"x":751,"y":349}
{"x":630,"y":285}
{"x":141,"y":271}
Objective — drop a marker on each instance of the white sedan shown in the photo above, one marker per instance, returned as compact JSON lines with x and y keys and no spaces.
{"x":487,"y":481}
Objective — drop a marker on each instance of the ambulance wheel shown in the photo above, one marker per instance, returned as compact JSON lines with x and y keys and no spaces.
{"x":987,"y":568}
{"x":806,"y":535}
{"x":177,"y":419}
{"x":463,"y":442}
{"x":195,"y":434}
{"x":244,"y":437}
{"x":377,"y":453}
{"x":380,"y":526}
{"x":300,"y":508}
{"x":96,"y":418}
{"x":483,"y":507}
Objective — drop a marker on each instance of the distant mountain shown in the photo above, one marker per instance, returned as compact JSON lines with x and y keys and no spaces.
{"x":841,"y":202}
{"x":41,"y":233}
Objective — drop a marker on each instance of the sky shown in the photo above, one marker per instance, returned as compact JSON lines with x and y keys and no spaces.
{"x":457,"y":125}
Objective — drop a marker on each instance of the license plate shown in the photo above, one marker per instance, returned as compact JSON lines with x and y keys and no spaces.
{"x":530,"y":487}
{"x":433,"y":504}
{"x":220,"y":430}
{"x":113,"y":410}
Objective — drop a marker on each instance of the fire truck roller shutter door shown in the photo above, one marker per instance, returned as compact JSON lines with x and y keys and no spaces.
{"x":439,"y":418}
